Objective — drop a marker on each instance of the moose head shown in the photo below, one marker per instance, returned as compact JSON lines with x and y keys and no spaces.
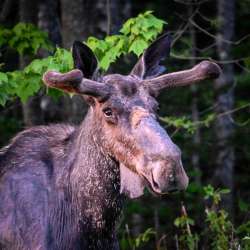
{"x":125,"y":111}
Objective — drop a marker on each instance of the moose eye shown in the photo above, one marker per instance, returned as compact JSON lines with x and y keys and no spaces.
{"x":108,"y":112}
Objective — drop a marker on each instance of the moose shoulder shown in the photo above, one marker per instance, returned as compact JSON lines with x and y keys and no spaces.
{"x":62,"y":187}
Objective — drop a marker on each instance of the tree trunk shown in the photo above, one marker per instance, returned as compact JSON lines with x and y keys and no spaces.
{"x":224,"y":129}
{"x":28,"y":11}
{"x":76,"y":22}
{"x":5,"y":8}
{"x":81,"y":19}
{"x":76,"y":19}
{"x":32,"y":113}
{"x":48,"y":21}
{"x":194,"y":105}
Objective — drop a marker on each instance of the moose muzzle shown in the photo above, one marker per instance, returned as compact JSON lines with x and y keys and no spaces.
{"x":160,"y":161}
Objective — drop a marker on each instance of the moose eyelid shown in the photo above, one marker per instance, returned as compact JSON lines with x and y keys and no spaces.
{"x":106,"y":109}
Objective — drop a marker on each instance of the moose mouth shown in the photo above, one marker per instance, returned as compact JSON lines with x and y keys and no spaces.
{"x":151,"y":185}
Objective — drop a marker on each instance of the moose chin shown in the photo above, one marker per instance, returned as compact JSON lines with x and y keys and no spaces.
{"x":62,"y":187}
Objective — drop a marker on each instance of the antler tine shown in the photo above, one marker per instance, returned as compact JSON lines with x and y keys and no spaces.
{"x":74,"y":82}
{"x":67,"y":81}
{"x":202,"y":71}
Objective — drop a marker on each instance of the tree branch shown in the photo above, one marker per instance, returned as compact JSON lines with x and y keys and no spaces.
{"x":207,"y":58}
{"x":213,"y":36}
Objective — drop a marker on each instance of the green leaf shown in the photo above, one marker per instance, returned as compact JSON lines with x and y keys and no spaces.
{"x":177,"y":222}
{"x":190,"y":221}
{"x":55,"y":93}
{"x":247,"y":62}
{"x":126,"y":28}
{"x":155,"y":22}
{"x":3,"y":98}
{"x":138,"y":46}
{"x":150,"y":35}
{"x":28,"y":88}
{"x":108,"y":58}
{"x":3,"y":78}
{"x":26,"y":39}
{"x":38,"y":66}
{"x":225,"y":191}
{"x":243,"y":206}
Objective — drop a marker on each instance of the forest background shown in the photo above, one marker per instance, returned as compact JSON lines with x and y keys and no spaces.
{"x":209,"y":121}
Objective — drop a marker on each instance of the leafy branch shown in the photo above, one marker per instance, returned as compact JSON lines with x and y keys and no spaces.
{"x":25,"y":38}
{"x":191,"y":126}
{"x":186,"y":123}
{"x":135,"y":35}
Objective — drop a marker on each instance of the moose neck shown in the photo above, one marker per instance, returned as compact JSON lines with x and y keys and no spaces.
{"x":95,"y":177}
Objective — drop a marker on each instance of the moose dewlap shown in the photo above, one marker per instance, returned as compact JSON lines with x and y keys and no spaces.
{"x":63,"y":187}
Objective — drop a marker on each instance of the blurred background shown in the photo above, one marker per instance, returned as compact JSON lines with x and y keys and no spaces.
{"x":210,"y":121}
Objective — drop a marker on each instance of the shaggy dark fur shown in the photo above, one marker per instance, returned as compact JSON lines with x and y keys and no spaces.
{"x":50,"y":198}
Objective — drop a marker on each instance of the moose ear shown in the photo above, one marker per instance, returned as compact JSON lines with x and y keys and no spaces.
{"x":84,"y":59}
{"x":148,"y":65}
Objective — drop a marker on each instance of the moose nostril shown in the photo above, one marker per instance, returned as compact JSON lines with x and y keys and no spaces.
{"x":156,"y":185}
{"x":171,"y":178}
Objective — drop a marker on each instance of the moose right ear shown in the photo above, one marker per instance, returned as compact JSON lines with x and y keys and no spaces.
{"x":148,"y":65}
{"x":84,"y":59}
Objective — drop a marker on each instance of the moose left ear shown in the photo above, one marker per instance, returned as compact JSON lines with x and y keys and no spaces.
{"x":148,"y":65}
{"x":84,"y":59}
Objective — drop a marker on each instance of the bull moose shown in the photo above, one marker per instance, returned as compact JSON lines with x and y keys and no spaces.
{"x":63,"y":187}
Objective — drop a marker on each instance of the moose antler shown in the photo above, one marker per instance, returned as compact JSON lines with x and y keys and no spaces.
{"x":74,"y":82}
{"x":202,"y":71}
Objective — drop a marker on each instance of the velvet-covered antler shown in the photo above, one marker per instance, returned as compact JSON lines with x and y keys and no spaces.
{"x":202,"y":71}
{"x":74,"y":82}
